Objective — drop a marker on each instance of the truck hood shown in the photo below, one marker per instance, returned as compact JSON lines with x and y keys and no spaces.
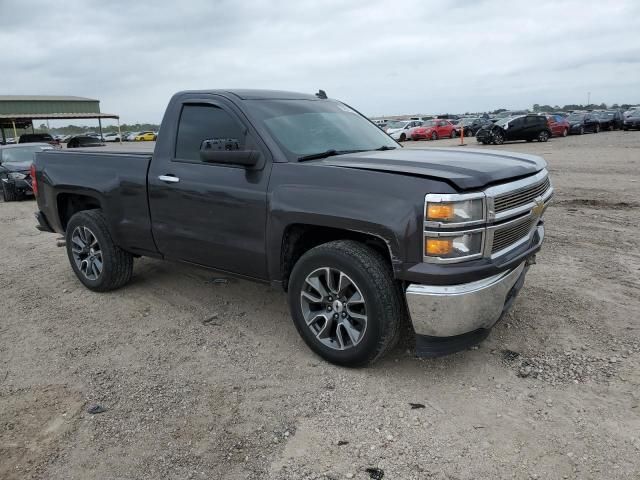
{"x":466,"y":170}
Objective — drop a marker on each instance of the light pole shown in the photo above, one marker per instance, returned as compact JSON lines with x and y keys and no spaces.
{"x":588,"y":98}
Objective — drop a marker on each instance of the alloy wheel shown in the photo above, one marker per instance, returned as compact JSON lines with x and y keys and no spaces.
{"x":87,"y":253}
{"x":334,"y":308}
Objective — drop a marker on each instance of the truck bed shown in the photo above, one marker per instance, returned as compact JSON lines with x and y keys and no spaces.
{"x":118,"y":179}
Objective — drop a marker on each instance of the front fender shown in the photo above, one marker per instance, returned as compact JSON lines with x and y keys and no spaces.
{"x":386,"y":205}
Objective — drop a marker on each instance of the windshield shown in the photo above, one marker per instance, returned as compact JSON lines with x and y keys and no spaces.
{"x":503,"y":121}
{"x":605,"y":115}
{"x":467,"y":121}
{"x":396,"y":124}
{"x":305,"y":127}
{"x":20,"y":155}
{"x":574,"y":117}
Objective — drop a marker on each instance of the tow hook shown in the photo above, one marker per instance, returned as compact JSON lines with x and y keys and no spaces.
{"x":530,"y":261}
{"x":61,"y":242}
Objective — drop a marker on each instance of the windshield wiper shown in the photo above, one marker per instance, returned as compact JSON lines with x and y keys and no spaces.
{"x":327,"y":153}
{"x":332,"y":152}
{"x":385,"y":147}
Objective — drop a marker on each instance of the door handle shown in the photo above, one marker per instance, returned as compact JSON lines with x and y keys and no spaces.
{"x":169,"y":178}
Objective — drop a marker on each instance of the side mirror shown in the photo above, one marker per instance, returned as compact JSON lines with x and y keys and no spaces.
{"x":227,"y":151}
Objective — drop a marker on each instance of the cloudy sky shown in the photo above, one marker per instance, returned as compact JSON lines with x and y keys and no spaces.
{"x":387,"y":57}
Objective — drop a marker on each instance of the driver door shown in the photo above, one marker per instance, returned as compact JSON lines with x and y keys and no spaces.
{"x":205,"y":213}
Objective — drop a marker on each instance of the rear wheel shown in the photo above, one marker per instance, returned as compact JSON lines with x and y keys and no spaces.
{"x":345,"y":303}
{"x":9,"y":192}
{"x":543,"y":136}
{"x":453,"y":134}
{"x":95,"y":259}
{"x":596,"y":129}
{"x":581,"y":130}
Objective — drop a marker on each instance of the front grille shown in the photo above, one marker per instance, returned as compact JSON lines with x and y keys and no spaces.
{"x":517,"y":198}
{"x":506,"y":236}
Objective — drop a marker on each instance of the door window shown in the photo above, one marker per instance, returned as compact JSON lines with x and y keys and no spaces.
{"x":205,"y":122}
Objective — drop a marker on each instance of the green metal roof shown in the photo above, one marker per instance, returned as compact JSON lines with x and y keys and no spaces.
{"x":39,"y":107}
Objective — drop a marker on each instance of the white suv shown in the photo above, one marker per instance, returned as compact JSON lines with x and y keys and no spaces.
{"x":399,"y":129}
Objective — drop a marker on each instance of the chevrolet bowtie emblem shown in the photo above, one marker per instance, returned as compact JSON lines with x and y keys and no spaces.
{"x":538,"y":209}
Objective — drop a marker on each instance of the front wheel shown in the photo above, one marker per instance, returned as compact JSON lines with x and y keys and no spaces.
{"x":403,"y":137}
{"x":596,"y":129}
{"x":565,"y":132}
{"x":434,"y":136}
{"x":453,"y":134}
{"x":95,"y":259}
{"x":498,"y":139}
{"x":543,"y":136}
{"x":345,"y":303}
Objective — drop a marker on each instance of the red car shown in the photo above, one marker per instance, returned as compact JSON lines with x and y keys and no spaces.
{"x":558,"y":125}
{"x":433,"y":130}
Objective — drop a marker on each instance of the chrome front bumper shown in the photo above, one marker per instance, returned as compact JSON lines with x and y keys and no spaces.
{"x":450,"y":310}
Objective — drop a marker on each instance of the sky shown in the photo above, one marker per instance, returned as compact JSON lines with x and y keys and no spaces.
{"x":383,"y":58}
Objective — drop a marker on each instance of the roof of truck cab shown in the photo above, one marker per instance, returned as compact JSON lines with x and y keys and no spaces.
{"x":249,"y":94}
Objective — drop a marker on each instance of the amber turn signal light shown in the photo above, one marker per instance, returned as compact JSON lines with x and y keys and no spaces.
{"x":440,"y":211}
{"x":438,"y":246}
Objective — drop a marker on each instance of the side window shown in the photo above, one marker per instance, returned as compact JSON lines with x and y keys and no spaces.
{"x":205,"y":122}
{"x":517,"y":122}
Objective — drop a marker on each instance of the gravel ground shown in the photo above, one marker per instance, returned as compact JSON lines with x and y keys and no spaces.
{"x":204,"y":377}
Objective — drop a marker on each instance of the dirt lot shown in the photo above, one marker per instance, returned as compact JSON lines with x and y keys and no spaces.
{"x":203,"y":378}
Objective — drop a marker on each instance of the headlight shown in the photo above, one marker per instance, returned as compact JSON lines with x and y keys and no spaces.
{"x":453,"y":246}
{"x":16,"y":176}
{"x":454,"y":227}
{"x":440,"y":210}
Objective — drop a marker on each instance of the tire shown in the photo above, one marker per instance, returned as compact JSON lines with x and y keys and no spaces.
{"x":453,"y":134}
{"x":485,"y":142}
{"x":581,"y":131}
{"x":403,"y":137}
{"x":498,"y":139}
{"x":543,"y":136}
{"x":364,"y":271}
{"x":596,"y":129}
{"x":434,"y":136}
{"x":565,"y":132}
{"x":9,"y":193}
{"x":117,"y":265}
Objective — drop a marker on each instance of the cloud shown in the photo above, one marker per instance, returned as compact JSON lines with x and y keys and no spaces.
{"x":381,"y":57}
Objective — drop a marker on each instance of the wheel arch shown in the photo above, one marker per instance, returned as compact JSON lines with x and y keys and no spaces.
{"x":70,"y":203}
{"x":298,"y":238}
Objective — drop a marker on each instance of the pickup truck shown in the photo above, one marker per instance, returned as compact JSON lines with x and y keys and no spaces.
{"x":305,"y":193}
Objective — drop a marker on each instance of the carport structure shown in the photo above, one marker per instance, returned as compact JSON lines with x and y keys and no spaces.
{"x":19,"y":111}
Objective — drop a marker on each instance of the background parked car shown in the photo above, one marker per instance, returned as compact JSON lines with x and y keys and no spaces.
{"x":38,"y":138}
{"x":146,"y":137}
{"x":610,"y":119}
{"x":524,"y":127}
{"x":80,"y":141}
{"x":111,"y":137}
{"x":399,"y":129}
{"x":632,"y":111}
{"x":583,"y":122}
{"x":471,"y":125}
{"x":15,"y":169}
{"x":632,"y":121}
{"x":558,"y":125}
{"x":433,"y":130}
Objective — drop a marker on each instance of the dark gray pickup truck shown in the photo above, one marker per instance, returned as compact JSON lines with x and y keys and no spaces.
{"x":303,"y":192}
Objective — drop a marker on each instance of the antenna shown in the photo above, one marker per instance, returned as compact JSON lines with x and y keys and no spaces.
{"x":321,"y":94}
